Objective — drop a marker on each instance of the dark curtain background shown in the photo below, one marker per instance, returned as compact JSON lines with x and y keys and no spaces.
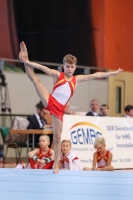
{"x":53,"y":28}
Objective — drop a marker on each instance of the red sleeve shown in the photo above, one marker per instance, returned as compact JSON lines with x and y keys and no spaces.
{"x":76,"y":158}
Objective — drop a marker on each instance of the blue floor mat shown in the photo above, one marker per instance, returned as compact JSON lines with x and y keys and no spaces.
{"x":29,"y":184}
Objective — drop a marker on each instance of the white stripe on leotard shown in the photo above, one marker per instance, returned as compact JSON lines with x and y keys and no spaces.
{"x":101,"y":163}
{"x":62,"y":93}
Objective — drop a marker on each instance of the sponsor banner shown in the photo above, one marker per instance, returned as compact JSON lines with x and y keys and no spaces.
{"x":118,"y":133}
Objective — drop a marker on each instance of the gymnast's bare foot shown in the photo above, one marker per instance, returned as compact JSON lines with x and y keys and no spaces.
{"x":23,"y":49}
{"x":56,"y":171}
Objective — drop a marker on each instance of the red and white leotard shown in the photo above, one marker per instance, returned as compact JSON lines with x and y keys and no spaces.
{"x":40,"y":155}
{"x":65,"y":163}
{"x":102,"y":161}
{"x":62,"y":92}
{"x":71,"y":161}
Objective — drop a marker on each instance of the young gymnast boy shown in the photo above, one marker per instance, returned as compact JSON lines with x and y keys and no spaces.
{"x":68,"y":160}
{"x":101,"y":158}
{"x":43,"y":157}
{"x":64,"y":86}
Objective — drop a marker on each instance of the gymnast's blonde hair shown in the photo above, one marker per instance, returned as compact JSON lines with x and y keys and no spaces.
{"x":66,"y":141}
{"x":70,"y":59}
{"x":99,"y":142}
{"x":45,"y":135}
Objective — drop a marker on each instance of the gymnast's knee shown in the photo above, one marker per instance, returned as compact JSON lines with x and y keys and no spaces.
{"x":57,"y":138}
{"x":111,"y":168}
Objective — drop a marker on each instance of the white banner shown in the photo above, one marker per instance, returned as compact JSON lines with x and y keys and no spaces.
{"x":118,"y":133}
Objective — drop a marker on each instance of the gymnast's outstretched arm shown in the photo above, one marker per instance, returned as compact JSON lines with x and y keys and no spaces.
{"x":50,"y":72}
{"x":82,"y":78}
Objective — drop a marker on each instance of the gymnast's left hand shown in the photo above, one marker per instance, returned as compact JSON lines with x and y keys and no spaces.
{"x":117,"y":72}
{"x":21,"y":57}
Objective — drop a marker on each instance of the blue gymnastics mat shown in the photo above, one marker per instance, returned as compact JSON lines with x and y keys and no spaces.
{"x":29,"y":184}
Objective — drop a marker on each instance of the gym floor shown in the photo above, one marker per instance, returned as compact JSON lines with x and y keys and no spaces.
{"x":29,"y":184}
